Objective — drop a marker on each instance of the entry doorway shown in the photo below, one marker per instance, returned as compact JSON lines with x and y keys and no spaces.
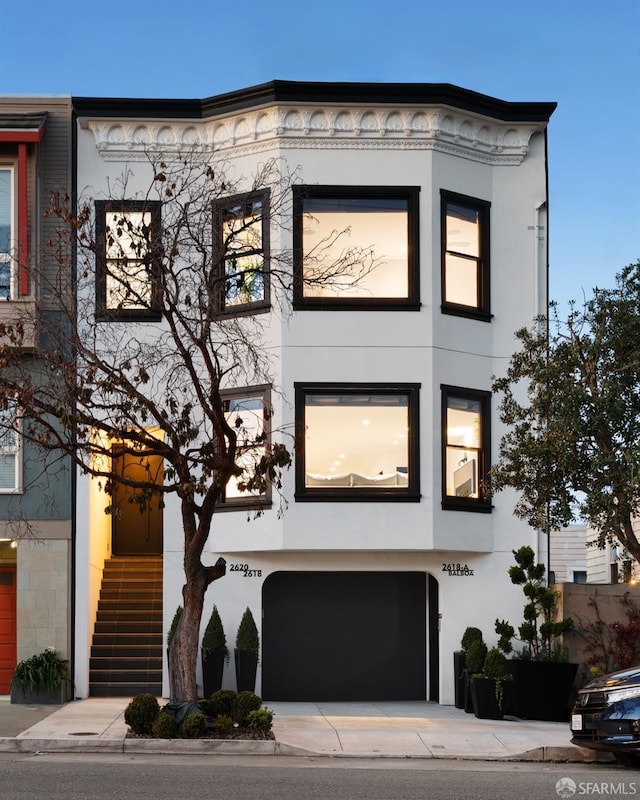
{"x":8,"y":627}
{"x":135,"y":532}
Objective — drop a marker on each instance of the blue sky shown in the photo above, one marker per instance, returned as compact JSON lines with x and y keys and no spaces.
{"x":583,"y":54}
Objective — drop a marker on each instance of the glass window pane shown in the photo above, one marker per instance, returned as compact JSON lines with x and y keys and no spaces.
{"x":357,"y":441}
{"x":461,"y":281}
{"x":244,"y":280}
{"x":462,"y":473}
{"x":242,"y":228}
{"x":246,"y":416}
{"x":355,"y":247}
{"x":6,"y":210}
{"x":7,"y":471}
{"x":128,"y":282}
{"x":464,"y":441}
{"x":463,"y":230}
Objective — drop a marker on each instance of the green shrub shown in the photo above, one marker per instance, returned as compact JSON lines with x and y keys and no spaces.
{"x":221,"y":702}
{"x":495,"y":664}
{"x":223,"y":724}
{"x":164,"y":727}
{"x":43,"y":671}
{"x":245,"y":703}
{"x":194,"y":726}
{"x":214,"y":639}
{"x":260,"y":719}
{"x":469,"y":636}
{"x":141,"y":713}
{"x":476,"y":655}
{"x":247,"y":637}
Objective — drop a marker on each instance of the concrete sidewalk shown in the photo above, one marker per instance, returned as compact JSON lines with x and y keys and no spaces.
{"x":386,"y":729}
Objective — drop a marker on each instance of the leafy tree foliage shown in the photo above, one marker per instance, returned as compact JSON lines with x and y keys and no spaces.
{"x":571,"y":400}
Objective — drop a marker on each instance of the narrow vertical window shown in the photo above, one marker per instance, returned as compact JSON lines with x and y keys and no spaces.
{"x":7,"y":233}
{"x":128,"y":259}
{"x":241,"y":226}
{"x":247,"y":412}
{"x":9,"y":451}
{"x":465,"y":451}
{"x":465,"y":256}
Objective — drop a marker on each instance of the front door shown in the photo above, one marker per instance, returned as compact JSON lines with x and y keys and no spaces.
{"x":136,"y":532}
{"x":8,"y":630}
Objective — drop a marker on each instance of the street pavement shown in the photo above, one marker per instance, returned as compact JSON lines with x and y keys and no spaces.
{"x":366,"y":730}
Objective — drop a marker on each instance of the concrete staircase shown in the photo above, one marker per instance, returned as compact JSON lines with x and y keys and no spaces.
{"x":126,"y":654}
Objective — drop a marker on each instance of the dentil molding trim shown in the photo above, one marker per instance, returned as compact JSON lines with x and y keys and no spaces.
{"x":466,"y":135}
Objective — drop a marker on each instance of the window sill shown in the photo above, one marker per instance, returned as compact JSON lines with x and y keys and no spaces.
{"x":365,"y":304}
{"x":355,"y":496}
{"x":474,"y":506}
{"x":22,"y":311}
{"x":469,"y":313}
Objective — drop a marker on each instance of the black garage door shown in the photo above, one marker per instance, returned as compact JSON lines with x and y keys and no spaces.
{"x":344,"y":636}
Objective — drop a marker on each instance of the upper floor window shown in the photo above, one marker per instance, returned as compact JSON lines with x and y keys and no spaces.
{"x":247,"y":411}
{"x":465,"y":256}
{"x":241,"y":225}
{"x":128,"y":237}
{"x":465,"y":448}
{"x":356,"y":247}
{"x":357,"y":441}
{"x":10,"y":465}
{"x":8,"y":276}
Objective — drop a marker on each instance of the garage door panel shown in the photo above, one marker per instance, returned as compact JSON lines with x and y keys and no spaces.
{"x":344,"y":636}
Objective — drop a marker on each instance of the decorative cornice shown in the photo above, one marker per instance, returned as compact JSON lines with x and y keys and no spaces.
{"x":320,"y":127}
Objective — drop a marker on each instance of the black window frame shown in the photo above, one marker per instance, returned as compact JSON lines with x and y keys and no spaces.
{"x":483,"y":267}
{"x":409,"y":193}
{"x":219,"y":207}
{"x":154,"y":311}
{"x":250,"y":501}
{"x":305,"y":493}
{"x":482,"y":503}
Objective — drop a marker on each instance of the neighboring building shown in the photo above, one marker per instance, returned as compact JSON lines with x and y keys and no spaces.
{"x":387,"y":550}
{"x":568,"y":555}
{"x":36,"y":551}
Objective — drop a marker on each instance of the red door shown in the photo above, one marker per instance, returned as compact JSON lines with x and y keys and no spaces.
{"x":8,"y":628}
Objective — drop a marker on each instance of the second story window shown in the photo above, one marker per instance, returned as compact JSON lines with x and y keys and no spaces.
{"x":8,"y":277}
{"x":356,"y":247}
{"x":465,"y":256}
{"x":128,"y":240}
{"x":241,"y":229}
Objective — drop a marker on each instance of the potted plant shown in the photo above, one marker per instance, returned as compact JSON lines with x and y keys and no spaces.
{"x":544,"y":677}
{"x":41,"y":679}
{"x":214,"y":654}
{"x":246,"y":653}
{"x":460,"y":664}
{"x":489,"y":687}
{"x":475,"y":656}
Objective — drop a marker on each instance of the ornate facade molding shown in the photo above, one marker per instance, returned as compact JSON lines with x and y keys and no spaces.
{"x":368,"y":128}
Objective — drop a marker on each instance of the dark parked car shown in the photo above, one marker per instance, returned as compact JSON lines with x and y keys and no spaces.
{"x":606,"y":716}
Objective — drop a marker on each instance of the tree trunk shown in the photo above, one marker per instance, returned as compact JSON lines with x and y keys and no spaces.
{"x":183,"y":651}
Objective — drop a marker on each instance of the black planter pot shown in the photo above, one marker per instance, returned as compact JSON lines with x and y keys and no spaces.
{"x":485,"y":702}
{"x":43,"y":697}
{"x":212,"y":669}
{"x":459,"y":665}
{"x":468,"y":700}
{"x":246,"y":667}
{"x":544,"y":689}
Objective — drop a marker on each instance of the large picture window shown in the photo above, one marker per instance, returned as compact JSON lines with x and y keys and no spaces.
{"x":128,"y":235}
{"x":356,"y":247}
{"x":247,"y":411}
{"x":357,"y":441}
{"x":241,"y":226}
{"x":7,"y":233}
{"x":465,"y":448}
{"x":465,"y":256}
{"x":10,"y":462}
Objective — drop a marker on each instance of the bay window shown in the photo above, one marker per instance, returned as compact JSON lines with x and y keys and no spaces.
{"x":357,"y":441}
{"x":356,"y":247}
{"x":241,"y":230}
{"x":465,"y":448}
{"x":247,"y":411}
{"x":465,"y":256}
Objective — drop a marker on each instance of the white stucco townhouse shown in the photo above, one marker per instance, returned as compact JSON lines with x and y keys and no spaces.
{"x":387,"y":549}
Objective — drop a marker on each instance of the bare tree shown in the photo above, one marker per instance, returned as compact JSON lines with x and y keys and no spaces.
{"x":157,"y":388}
